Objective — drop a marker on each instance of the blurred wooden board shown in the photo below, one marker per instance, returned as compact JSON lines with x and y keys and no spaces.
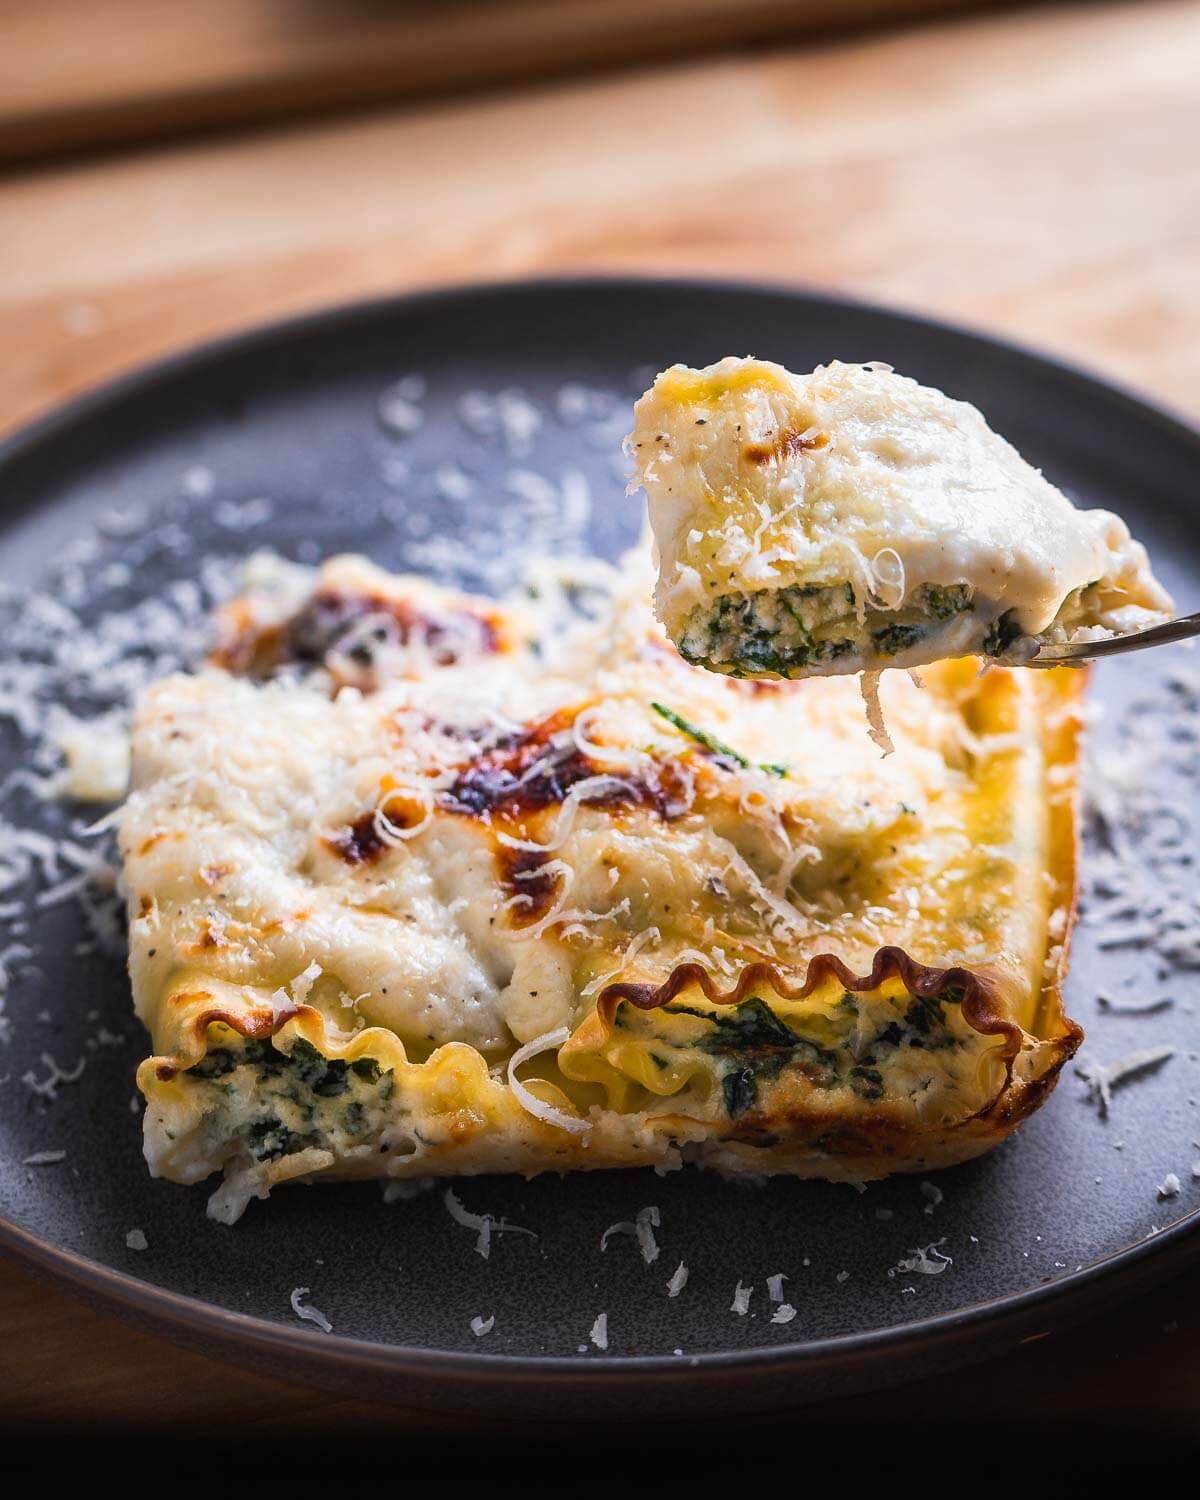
{"x":1034,"y":173}
{"x":77,"y":74}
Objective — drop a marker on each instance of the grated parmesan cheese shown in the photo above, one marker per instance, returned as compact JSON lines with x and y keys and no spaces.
{"x":1102,"y":1079}
{"x":641,"y":1229}
{"x":925,"y":1261}
{"x":485,"y":1225}
{"x":48,"y":1087}
{"x":678,"y":1281}
{"x":1169,"y":1187}
{"x":528,"y":1100}
{"x":307,"y":1312}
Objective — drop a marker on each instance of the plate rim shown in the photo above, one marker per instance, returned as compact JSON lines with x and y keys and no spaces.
{"x":124,"y":1293}
{"x":168,"y":1311}
{"x":106,"y":392}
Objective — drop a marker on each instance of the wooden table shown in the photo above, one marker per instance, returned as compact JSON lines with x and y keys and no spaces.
{"x":1034,"y":173}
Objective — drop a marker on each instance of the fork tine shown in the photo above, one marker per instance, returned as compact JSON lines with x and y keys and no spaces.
{"x":1077,"y":653}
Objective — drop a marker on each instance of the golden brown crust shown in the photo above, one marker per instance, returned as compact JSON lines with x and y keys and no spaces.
{"x":307,"y":638}
{"x":253,"y":1025}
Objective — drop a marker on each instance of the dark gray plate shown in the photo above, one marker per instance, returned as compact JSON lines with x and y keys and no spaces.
{"x":277,"y":439}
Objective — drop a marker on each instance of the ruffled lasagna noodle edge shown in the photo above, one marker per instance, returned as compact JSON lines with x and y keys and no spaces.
{"x":805,"y":1141}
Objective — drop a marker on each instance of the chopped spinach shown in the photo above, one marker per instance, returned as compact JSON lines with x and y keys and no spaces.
{"x":943,"y":603}
{"x":299,"y":1080}
{"x":268,"y":1138}
{"x":740,"y":1089}
{"x":217,"y":1063}
{"x":804,"y":641}
{"x":893,"y":639}
{"x":923,"y":1027}
{"x":1002,"y":633}
{"x":762,"y":652}
{"x":867,"y":1083}
{"x":758,"y":1046}
{"x":325,"y":1076}
{"x":221,"y":1060}
{"x":773,"y":632}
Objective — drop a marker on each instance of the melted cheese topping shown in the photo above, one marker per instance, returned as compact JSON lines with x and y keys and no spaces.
{"x":852,"y":518}
{"x":379,"y":887}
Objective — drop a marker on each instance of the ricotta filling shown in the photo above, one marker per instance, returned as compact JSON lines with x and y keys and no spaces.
{"x":253,"y":1103}
{"x":814,"y":629}
{"x":807,"y":628}
{"x":917,"y":1050}
{"x":250,"y":1104}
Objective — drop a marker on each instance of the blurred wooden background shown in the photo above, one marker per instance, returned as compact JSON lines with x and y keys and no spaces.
{"x":1030,"y":170}
{"x":76,"y":75}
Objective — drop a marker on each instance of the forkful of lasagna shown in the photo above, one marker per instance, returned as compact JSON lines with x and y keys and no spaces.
{"x":851,"y":519}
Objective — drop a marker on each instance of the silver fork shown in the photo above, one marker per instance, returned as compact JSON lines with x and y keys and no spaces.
{"x":1080,"y":653}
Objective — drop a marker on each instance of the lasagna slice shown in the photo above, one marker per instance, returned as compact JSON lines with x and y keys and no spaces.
{"x":417,"y":886}
{"x":852,"y":520}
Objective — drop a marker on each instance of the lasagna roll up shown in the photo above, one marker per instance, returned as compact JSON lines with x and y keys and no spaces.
{"x":416,"y":890}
